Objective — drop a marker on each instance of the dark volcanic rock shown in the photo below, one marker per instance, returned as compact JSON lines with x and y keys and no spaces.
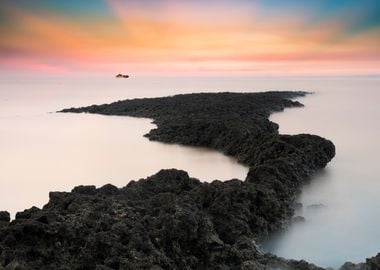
{"x":172,"y":221}
{"x":370,"y":264}
{"x":168,"y":220}
{"x":273,"y":262}
{"x":4,"y":216}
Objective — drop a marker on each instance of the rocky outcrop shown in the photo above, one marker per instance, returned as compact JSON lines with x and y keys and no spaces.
{"x":4,"y":216}
{"x":170,"y":220}
{"x":370,"y":264}
{"x":275,"y":263}
{"x":166,"y":221}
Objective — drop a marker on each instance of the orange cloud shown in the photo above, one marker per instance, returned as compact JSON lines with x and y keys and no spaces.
{"x":176,"y":39}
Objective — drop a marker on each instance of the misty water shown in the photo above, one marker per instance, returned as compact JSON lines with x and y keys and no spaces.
{"x":347,"y":226}
{"x":42,"y":151}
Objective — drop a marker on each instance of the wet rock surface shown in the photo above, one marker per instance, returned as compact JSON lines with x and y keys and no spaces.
{"x":170,"y":220}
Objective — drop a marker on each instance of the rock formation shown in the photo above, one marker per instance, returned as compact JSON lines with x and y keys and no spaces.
{"x":170,"y":220}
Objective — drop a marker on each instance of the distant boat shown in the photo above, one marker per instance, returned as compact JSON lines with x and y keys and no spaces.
{"x":122,"y":76}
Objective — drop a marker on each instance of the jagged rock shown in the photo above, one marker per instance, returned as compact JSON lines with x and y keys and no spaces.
{"x":370,"y":264}
{"x":170,"y":220}
{"x":352,"y":266}
{"x":89,"y":190}
{"x":26,"y":214}
{"x":373,"y":263}
{"x":5,"y":216}
{"x":273,"y":262}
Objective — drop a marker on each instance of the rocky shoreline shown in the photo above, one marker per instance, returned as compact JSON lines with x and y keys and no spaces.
{"x":170,"y":220}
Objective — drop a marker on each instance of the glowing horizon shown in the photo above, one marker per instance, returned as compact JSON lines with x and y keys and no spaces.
{"x":269,"y":37}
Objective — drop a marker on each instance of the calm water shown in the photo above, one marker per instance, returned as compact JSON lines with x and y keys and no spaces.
{"x":42,"y":152}
{"x":347,"y":227}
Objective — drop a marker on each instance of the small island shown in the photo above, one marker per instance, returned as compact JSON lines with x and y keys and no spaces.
{"x":122,"y":76}
{"x":171,"y":220}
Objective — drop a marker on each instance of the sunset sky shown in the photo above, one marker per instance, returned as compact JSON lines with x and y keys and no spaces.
{"x":256,"y":37}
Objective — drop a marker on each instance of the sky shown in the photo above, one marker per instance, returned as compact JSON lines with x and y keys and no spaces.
{"x":228,"y":37}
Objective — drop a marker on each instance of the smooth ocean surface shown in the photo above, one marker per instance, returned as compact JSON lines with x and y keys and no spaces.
{"x":346,"y":227}
{"x":42,"y":151}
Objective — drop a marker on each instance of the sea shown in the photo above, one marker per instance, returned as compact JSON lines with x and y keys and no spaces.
{"x":43,"y":151}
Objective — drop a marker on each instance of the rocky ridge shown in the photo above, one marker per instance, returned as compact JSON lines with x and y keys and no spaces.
{"x":170,"y":220}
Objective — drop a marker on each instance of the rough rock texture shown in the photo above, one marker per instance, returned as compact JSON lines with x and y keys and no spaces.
{"x":169,"y":220}
{"x":4,"y":216}
{"x":370,"y":264}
